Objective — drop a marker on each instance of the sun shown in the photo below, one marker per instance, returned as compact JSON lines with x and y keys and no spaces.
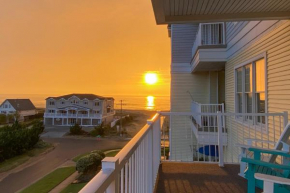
{"x":151,"y":78}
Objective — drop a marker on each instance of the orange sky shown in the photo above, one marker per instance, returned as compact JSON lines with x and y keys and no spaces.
{"x":88,"y":46}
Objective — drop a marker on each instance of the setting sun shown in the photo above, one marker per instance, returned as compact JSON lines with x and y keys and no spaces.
{"x":151,"y":78}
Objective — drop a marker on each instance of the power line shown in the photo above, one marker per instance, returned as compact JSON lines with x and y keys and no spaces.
{"x":122,"y":104}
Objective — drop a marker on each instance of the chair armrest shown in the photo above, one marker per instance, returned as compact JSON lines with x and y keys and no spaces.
{"x":270,"y":151}
{"x":243,"y":146}
{"x":259,"y":140}
{"x":273,"y":179}
{"x":267,"y":164}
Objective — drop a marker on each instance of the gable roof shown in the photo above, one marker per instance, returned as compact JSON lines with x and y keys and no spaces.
{"x":21,"y":104}
{"x":81,"y":96}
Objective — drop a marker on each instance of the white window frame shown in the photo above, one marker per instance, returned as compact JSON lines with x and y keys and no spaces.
{"x":254,"y":105}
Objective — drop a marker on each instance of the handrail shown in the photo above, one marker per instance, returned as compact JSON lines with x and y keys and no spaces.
{"x":127,"y":151}
{"x":104,"y":181}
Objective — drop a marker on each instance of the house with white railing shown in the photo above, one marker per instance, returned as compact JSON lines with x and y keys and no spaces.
{"x":82,"y":109}
{"x":230,"y":91}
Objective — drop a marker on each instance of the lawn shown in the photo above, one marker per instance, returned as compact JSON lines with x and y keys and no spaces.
{"x":11,"y":163}
{"x":110,"y":154}
{"x":73,"y":188}
{"x":50,"y":181}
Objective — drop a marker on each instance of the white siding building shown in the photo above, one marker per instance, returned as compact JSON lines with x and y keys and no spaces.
{"x":24,"y":107}
{"x":83,"y":109}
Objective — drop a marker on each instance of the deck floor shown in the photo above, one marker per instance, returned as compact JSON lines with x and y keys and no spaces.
{"x":199,"y":178}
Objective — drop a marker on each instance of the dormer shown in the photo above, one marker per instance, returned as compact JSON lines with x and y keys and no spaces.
{"x":74,"y":100}
{"x":51,"y":102}
{"x":85,"y":101}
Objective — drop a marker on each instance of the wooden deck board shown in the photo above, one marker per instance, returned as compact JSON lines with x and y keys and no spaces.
{"x":199,"y":178}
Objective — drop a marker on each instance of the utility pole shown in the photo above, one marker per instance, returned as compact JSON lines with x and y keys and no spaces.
{"x":121,"y":103}
{"x":121,"y":115}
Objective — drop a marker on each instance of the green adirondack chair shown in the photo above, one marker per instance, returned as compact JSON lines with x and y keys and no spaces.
{"x":270,"y":168}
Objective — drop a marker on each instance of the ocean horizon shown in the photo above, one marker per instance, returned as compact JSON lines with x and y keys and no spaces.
{"x":130,"y":102}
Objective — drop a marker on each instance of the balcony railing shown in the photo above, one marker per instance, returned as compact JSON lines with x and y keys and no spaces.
{"x":135,"y":167}
{"x":205,"y":108}
{"x":64,"y":115}
{"x":209,"y":34}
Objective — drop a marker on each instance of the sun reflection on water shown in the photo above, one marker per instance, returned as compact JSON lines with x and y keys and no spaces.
{"x":150,"y":102}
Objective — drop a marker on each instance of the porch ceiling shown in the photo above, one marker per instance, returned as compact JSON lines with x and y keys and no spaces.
{"x":185,"y":11}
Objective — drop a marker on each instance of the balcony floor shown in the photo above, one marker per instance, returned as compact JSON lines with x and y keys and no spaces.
{"x":199,"y":178}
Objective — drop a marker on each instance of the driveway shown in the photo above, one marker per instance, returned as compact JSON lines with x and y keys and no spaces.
{"x":59,"y":131}
{"x":66,"y":149}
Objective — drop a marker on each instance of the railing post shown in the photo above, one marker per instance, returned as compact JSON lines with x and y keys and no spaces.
{"x":112,"y":163}
{"x":156,"y":145}
{"x":150,"y":159}
{"x":220,"y":139}
{"x":285,"y":116}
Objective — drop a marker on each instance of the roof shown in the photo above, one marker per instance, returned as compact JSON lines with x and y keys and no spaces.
{"x":181,"y":11}
{"x":21,"y":104}
{"x":81,"y":96}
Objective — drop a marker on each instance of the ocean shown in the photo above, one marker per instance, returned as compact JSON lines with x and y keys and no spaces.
{"x":131,"y":102}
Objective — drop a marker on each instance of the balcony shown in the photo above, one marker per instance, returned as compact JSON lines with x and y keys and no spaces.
{"x":205,"y":126}
{"x":68,"y":115}
{"x":143,"y":165}
{"x":209,"y":48}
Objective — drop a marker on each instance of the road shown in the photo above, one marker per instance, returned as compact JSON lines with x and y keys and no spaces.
{"x":66,"y":149}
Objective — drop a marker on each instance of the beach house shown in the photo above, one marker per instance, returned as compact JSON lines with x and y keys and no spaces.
{"x":230,"y":86}
{"x":24,"y":108}
{"x":82,"y":109}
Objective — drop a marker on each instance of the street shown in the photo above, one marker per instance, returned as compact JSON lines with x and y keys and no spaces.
{"x":66,"y":149}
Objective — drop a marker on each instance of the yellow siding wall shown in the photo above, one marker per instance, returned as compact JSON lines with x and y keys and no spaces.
{"x":182,"y":138}
{"x":276,"y":44}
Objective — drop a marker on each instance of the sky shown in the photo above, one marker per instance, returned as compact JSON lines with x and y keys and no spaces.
{"x":82,"y":46}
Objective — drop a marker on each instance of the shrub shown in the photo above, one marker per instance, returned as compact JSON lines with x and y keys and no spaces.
{"x":89,"y":163}
{"x":101,"y":153}
{"x":17,"y":139}
{"x":99,"y":130}
{"x":76,"y":129}
{"x":3,"y":119}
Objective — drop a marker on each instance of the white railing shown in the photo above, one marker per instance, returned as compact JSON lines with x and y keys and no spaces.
{"x":204,"y":145}
{"x":135,"y":167}
{"x":64,"y":115}
{"x":209,"y":34}
{"x":205,"y":108}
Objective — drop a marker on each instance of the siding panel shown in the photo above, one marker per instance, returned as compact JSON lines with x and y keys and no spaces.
{"x":182,"y":39}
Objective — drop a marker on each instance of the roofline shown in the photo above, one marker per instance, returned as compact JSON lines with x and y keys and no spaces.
{"x":161,"y":18}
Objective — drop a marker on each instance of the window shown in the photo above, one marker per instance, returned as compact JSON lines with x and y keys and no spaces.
{"x":51,"y":111}
{"x":97,"y":103}
{"x":85,"y":102}
{"x":62,"y":102}
{"x":74,"y":101}
{"x":250,"y":89}
{"x":51,"y":102}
